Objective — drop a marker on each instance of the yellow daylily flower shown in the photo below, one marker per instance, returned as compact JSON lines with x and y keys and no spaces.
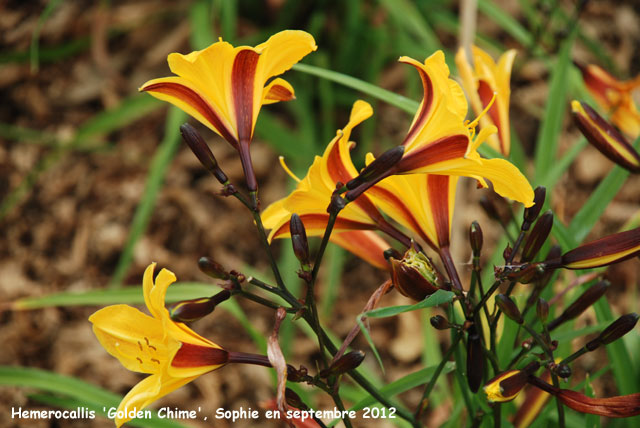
{"x":440,"y":142}
{"x":423,"y":203}
{"x":170,"y":352}
{"x":313,"y":193}
{"x":614,"y":96}
{"x":480,"y":82}
{"x":224,"y":87}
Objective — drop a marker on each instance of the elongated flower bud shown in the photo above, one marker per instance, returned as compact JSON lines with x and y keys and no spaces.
{"x":299,"y":239}
{"x":614,"y":331}
{"x":195,"y":309}
{"x":202,"y":152}
{"x":415,"y":276}
{"x":537,"y":237}
{"x":475,"y":360}
{"x":294,"y":399}
{"x":475,"y":237}
{"x":586,"y":299}
{"x":377,"y":169}
{"x":542,"y":309}
{"x":349,"y":361}
{"x":605,"y":251}
{"x":509,"y":307}
{"x":439,"y":322}
{"x":605,"y":137}
{"x":531,"y":213}
{"x":212,"y":268}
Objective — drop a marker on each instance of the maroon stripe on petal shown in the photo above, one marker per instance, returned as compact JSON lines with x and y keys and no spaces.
{"x":486,"y":94}
{"x":319,"y":221}
{"x":438,"y":190}
{"x":242,"y":81}
{"x":441,"y":150}
{"x":425,"y":107}
{"x":194,"y":100}
{"x":190,"y":355}
{"x":607,"y":246}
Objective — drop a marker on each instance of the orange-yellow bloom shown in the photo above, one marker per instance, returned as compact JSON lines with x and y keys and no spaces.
{"x":480,"y":82}
{"x":224,"y":87}
{"x":312,"y":196}
{"x":440,"y":142}
{"x":614,"y":96}
{"x":170,"y":352}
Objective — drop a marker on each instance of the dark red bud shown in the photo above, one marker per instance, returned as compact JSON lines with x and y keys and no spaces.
{"x":376,"y":170}
{"x":542,"y":310}
{"x":212,"y":268}
{"x":415,"y":276}
{"x":345,"y":363}
{"x":294,"y":399}
{"x":439,"y":322}
{"x":614,"y":331}
{"x":476,"y":239}
{"x":509,"y":307}
{"x":537,"y":237}
{"x":195,"y":309}
{"x":198,"y":146}
{"x":586,"y":299}
{"x":563,"y":371}
{"x":531,"y":213}
{"x":299,"y":239}
{"x":475,"y":360}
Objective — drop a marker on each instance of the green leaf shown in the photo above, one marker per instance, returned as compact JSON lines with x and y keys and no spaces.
{"x":437,"y":298}
{"x":76,"y":390}
{"x":405,"y":383}
{"x":389,"y":97}
{"x":547,"y":142}
{"x":157,"y":171}
{"x":372,"y":345}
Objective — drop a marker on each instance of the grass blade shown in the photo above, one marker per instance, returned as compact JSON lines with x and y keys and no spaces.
{"x":437,"y":298}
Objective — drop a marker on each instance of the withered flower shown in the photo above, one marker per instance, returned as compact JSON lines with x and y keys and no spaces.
{"x":414,"y":275}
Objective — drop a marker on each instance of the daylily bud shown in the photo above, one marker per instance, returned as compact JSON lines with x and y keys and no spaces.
{"x":604,"y":251}
{"x":531,"y":213}
{"x":299,"y":239}
{"x":586,"y":299}
{"x":506,"y":253}
{"x":509,"y":307}
{"x":439,"y":322}
{"x":376,"y":170}
{"x":194,"y":309}
{"x":475,"y":360}
{"x":415,"y":276}
{"x":614,"y":331}
{"x":605,"y":137}
{"x":542,"y":310}
{"x":202,"y":152}
{"x":507,"y":385}
{"x":212,"y":268}
{"x":537,"y":237}
{"x":294,"y":399}
{"x":345,"y":363}
{"x":475,"y":237}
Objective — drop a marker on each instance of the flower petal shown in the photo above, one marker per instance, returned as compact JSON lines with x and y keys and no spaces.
{"x":147,"y":391}
{"x":366,"y":244}
{"x":132,"y":337}
{"x":277,"y":90}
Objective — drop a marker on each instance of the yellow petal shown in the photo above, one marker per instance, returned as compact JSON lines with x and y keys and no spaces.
{"x":147,"y":391}
{"x":277,"y":90}
{"x":136,"y":339}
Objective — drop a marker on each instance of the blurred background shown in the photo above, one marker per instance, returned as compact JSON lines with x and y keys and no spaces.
{"x":95,"y":182}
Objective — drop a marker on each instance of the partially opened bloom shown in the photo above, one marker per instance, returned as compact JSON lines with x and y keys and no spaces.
{"x":506,"y":386}
{"x":313,"y":193}
{"x":615,"y":96}
{"x":440,"y":142}
{"x":224,"y":87}
{"x":605,"y":137}
{"x":480,"y":82}
{"x":170,"y":352}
